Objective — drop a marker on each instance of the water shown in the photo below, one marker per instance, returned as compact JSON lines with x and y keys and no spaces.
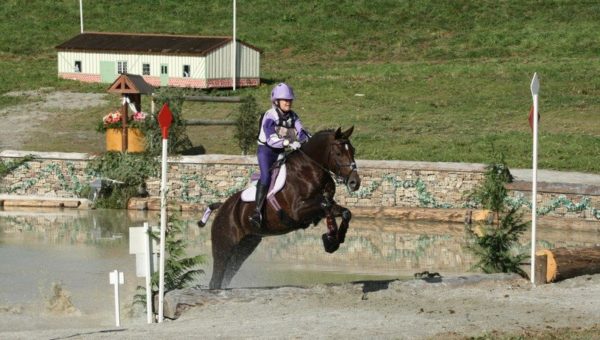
{"x":78,"y":249}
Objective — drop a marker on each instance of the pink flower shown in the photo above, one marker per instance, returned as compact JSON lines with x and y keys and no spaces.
{"x":112,"y":117}
{"x":139,"y":116}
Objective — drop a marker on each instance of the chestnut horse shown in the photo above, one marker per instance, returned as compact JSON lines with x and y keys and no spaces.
{"x":306,"y":198}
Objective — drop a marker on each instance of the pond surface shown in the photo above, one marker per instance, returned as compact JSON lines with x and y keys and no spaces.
{"x":78,"y":249}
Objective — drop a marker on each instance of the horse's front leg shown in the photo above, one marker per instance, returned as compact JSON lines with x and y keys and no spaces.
{"x":331,"y":241}
{"x":339,"y":211}
{"x":334,"y":236}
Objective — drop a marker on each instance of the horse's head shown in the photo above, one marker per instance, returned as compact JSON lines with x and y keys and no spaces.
{"x":333,"y":150}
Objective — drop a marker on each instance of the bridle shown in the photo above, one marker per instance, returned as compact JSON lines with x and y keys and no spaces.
{"x":338,"y":166}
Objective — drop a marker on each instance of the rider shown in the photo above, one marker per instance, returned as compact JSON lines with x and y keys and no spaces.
{"x":280,"y":127}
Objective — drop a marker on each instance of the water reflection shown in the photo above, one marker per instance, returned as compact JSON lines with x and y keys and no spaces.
{"x":80,"y":248}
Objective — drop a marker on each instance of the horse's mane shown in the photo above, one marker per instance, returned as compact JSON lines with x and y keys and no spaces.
{"x":322,"y":134}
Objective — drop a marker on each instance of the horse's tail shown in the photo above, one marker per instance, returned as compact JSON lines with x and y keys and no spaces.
{"x":209,"y":210}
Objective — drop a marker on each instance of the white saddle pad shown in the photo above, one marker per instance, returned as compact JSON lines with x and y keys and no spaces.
{"x":249,"y":194}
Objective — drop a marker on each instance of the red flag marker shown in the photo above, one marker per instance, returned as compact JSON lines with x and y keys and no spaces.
{"x":531,"y":118}
{"x":165,"y":118}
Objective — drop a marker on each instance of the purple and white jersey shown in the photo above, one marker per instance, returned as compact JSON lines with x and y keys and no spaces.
{"x":275,"y":127}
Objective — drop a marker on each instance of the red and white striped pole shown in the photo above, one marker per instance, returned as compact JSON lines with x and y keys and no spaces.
{"x":165,"y":117}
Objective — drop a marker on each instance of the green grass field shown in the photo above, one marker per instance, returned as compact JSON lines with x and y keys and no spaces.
{"x":419,"y":80}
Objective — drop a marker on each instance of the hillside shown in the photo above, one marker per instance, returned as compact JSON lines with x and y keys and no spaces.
{"x":426,"y":80}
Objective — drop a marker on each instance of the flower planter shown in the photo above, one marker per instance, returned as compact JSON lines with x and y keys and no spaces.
{"x":135,"y":140}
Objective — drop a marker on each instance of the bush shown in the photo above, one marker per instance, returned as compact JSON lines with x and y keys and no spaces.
{"x":246,"y":124}
{"x":180,"y":271}
{"x":124,"y":176}
{"x":178,"y":138}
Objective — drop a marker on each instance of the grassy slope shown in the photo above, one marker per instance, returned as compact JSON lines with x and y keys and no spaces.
{"x":442,"y":80}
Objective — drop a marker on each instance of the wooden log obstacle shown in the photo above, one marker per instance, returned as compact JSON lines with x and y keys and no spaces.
{"x":562,"y":263}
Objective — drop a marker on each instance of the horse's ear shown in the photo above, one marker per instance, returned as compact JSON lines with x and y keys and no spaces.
{"x":338,"y":133}
{"x":346,"y":134}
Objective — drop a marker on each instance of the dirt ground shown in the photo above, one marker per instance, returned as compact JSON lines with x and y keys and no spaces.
{"x":454,"y":307}
{"x":20,"y":123}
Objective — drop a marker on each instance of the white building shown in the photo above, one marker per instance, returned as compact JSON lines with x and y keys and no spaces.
{"x":162,"y":60}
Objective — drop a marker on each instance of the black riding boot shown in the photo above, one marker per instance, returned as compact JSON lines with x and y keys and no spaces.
{"x":261,"y":194}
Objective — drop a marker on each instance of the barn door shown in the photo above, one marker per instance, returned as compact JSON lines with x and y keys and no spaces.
{"x":164,"y":75}
{"x":108,"y":71}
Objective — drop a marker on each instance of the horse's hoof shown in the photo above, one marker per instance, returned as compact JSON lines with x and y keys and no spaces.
{"x":201,"y":224}
{"x":329,"y":244}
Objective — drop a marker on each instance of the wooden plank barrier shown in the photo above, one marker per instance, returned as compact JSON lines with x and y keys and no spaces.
{"x":205,"y":122}
{"x":562,"y":263}
{"x":214,"y":99}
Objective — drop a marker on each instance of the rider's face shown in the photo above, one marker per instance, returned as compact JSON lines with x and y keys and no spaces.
{"x":285,"y":105}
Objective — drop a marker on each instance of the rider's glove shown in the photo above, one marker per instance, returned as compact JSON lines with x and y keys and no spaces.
{"x":295,"y":145}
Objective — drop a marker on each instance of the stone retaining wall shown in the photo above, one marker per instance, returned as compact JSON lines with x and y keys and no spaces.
{"x":203,"y":179}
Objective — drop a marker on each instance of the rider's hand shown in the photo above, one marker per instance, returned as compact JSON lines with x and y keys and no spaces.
{"x":295,"y":145}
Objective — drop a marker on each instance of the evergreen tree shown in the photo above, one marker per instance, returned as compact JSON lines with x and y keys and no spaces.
{"x":494,"y":244}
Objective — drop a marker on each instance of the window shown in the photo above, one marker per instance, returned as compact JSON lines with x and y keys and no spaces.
{"x":186,"y":71}
{"x":122,"y":67}
{"x":163,"y":69}
{"x":77,"y":67}
{"x":146,"y":69}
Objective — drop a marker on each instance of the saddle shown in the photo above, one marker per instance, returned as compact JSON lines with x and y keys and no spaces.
{"x":278,"y":175}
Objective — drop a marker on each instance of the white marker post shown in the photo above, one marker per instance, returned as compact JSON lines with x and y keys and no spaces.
{"x":81,"y":14}
{"x":535,"y":89}
{"x":165,"y":117}
{"x":233,"y":51}
{"x":148,"y":261}
{"x":116,"y":278}
{"x":144,"y":248}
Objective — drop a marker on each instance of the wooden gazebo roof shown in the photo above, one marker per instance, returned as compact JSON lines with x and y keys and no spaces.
{"x":130,"y":84}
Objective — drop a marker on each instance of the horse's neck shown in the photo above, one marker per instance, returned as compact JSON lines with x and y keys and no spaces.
{"x":318,"y":151}
{"x":303,"y":164}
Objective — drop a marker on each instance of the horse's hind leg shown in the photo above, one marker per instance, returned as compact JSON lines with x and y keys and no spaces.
{"x":220,"y":259}
{"x":228,"y":258}
{"x":239,"y":254}
{"x":223,"y":243}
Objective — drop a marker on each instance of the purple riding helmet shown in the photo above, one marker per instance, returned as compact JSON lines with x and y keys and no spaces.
{"x":282,"y":91}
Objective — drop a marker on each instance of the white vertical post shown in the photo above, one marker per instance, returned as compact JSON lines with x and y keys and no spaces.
{"x":233,"y":51}
{"x":148,"y":262}
{"x":535,"y":87}
{"x":116,"y":278}
{"x":81,"y":14}
{"x":163,"y":227}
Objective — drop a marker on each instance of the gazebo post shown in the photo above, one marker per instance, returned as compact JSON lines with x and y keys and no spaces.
{"x":124,"y":137}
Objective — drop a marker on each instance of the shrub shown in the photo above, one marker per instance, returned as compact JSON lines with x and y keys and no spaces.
{"x":124,"y":176}
{"x":246,"y":124}
{"x":178,"y":138}
{"x":180,"y":271}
